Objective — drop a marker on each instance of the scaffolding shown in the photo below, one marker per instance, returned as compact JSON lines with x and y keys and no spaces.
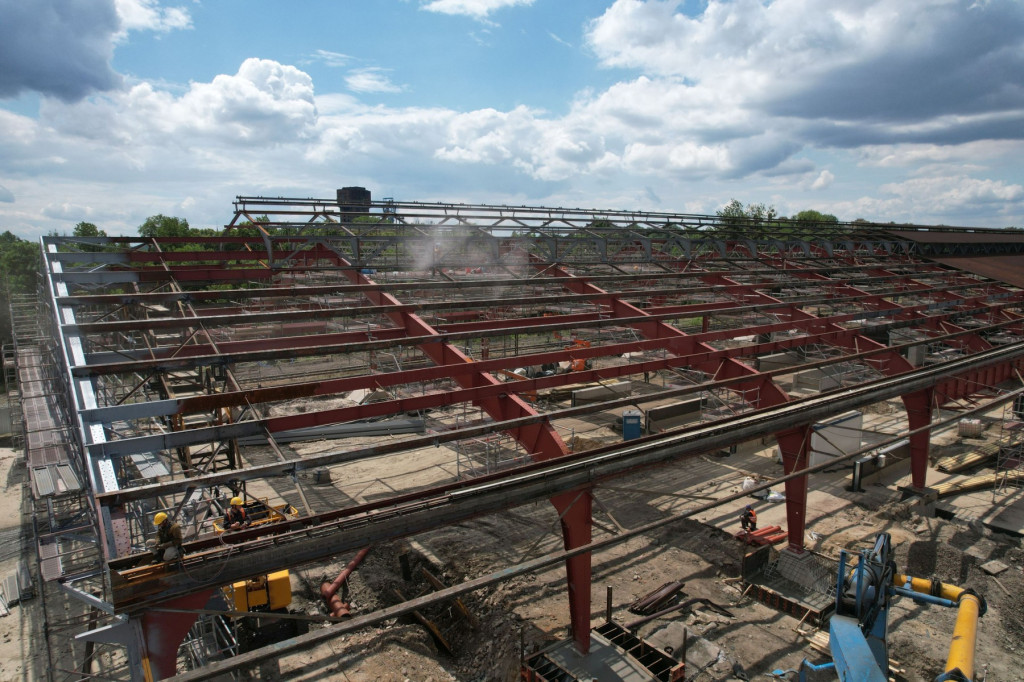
{"x":1010,"y":457}
{"x":486,"y":455}
{"x":186,"y":370}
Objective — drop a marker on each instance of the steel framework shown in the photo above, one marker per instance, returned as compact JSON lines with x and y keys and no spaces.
{"x":190,"y":368}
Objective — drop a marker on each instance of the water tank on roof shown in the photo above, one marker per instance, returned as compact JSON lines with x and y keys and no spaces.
{"x":354,"y":200}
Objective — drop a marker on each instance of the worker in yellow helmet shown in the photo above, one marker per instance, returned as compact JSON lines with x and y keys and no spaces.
{"x":236,"y":517}
{"x":168,"y":539}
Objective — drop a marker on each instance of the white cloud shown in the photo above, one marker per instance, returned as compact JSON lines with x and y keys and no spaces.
{"x":477,"y":9}
{"x":66,"y":211}
{"x":148,"y":15}
{"x":371,"y":79}
{"x":6,"y":195}
{"x":947,"y":199}
{"x":951,"y":193}
{"x":57,"y":48}
{"x":824,"y":179}
{"x":924,"y":155}
{"x":64,"y":49}
{"x":855,"y":71}
{"x":265,"y":102}
{"x":329,"y":58}
{"x":559,"y":40}
{"x":701,"y":121}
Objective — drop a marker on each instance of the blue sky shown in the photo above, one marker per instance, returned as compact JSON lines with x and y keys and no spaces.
{"x":115,"y":110}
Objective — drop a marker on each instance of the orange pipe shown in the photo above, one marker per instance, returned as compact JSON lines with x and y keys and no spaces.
{"x":329,"y":591}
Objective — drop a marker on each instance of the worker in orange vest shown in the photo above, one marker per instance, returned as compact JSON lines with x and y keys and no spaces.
{"x":748,"y":519}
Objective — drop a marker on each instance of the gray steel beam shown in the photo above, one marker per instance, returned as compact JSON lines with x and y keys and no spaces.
{"x":321,"y":635}
{"x":306,"y":463}
{"x":251,"y":318}
{"x":452,"y":504}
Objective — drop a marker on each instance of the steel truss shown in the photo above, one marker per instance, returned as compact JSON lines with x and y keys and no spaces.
{"x":195,"y":366}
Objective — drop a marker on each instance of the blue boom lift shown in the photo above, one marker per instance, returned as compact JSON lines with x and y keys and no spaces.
{"x":858,"y":629}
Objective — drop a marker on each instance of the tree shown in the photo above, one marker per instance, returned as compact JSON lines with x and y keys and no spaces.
{"x":752,"y":218}
{"x":84,"y":229}
{"x":732,"y":212}
{"x":815,"y":217}
{"x":19,"y":265}
{"x":761,"y":213}
{"x":160,"y":225}
{"x":19,"y":262}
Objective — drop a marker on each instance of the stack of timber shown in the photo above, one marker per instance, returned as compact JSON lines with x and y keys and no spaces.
{"x":981,"y":482}
{"x":978,"y":455}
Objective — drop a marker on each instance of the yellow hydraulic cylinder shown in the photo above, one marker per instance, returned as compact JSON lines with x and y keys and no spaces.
{"x":965,"y":636}
{"x":965,"y":632}
{"x":924,"y":586}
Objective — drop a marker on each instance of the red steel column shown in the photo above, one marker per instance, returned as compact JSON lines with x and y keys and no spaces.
{"x":919,"y":413}
{"x":795,"y":447}
{"x":759,"y":391}
{"x":163,"y":632}
{"x":540,"y":440}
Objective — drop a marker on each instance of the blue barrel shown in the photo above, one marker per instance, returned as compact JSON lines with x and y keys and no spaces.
{"x":632,"y":424}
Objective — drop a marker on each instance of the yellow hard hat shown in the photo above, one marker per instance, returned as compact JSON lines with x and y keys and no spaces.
{"x":236,"y":501}
{"x":159,"y":518}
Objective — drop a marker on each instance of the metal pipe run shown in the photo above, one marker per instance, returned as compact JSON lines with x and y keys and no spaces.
{"x":329,"y":591}
{"x":971,"y":606}
{"x":923,"y":598}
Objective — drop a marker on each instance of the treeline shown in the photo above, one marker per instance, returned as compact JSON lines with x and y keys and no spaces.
{"x":20,"y":268}
{"x":21,"y":262}
{"x":735,"y":213}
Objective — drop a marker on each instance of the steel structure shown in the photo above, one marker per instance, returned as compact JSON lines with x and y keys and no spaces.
{"x":188,"y":368}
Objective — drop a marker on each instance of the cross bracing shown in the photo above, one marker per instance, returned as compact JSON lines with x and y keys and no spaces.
{"x":195,"y":365}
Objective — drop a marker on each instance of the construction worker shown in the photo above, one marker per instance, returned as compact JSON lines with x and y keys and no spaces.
{"x":168,"y":539}
{"x":236,"y":517}
{"x":748,"y":519}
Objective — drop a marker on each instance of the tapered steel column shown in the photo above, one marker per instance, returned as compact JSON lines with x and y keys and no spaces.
{"x":163,"y":632}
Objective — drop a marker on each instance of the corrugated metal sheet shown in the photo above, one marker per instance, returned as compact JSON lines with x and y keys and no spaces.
{"x":53,"y":479}
{"x":1003,"y":268}
{"x":1009,"y":269}
{"x":42,"y":481}
{"x":7,"y":420}
{"x":49,"y":559}
{"x":953,"y":237}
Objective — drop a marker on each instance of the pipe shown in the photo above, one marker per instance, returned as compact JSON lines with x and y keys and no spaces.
{"x":970,"y":607}
{"x":922,"y":598}
{"x":806,"y":665}
{"x":965,"y":636}
{"x":329,"y":591}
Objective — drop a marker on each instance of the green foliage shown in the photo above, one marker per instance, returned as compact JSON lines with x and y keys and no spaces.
{"x":160,"y":225}
{"x":734,"y":213}
{"x":19,"y":262}
{"x":84,"y":229}
{"x":20,"y":266}
{"x":815,"y":217}
{"x":753,"y":219}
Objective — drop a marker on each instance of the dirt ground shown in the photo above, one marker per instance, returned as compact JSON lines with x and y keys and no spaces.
{"x":18,"y":630}
{"x":529,"y":613}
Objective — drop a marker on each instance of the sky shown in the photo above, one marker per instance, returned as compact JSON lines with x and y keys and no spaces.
{"x":112,"y":111}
